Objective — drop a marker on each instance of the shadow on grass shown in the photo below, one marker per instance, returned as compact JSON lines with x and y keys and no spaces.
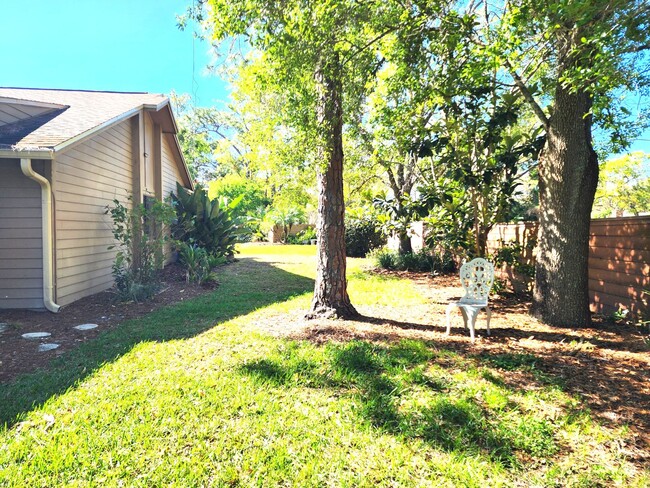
{"x":245,"y":286}
{"x":607,"y":386}
{"x":380,"y":379}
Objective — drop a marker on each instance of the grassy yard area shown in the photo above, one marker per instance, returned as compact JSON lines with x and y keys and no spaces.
{"x":210,"y":392}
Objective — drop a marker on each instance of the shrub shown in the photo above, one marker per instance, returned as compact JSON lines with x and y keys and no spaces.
{"x":141,"y":233}
{"x":361,"y":237}
{"x":203,"y":222}
{"x":385,"y":259}
{"x":512,"y":254}
{"x":302,"y":237}
{"x":422,"y":260}
{"x":231,"y":187}
{"x":307,"y":235}
{"x":286,"y":218}
{"x":199,"y":264}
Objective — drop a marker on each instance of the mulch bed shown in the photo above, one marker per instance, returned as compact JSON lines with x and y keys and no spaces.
{"x":18,"y":355}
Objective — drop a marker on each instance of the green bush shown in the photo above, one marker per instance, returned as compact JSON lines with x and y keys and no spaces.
{"x":512,"y":254}
{"x":302,"y":237}
{"x":204,"y":223}
{"x":251,"y":192}
{"x":361,"y":237}
{"x":140,"y":234}
{"x":199,"y":264}
{"x":422,"y":260}
{"x":307,"y":235}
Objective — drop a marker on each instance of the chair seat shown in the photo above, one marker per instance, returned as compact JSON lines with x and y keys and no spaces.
{"x":472,"y":302}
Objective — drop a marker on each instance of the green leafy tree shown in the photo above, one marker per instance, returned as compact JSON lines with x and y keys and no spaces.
{"x":286,"y":218}
{"x":624,"y":186}
{"x":570,"y":60}
{"x":319,"y":54}
{"x":250,"y":191}
{"x":196,"y":146}
{"x":444,"y":124}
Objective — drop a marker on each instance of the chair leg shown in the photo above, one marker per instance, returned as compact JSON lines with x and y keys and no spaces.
{"x":450,"y":307}
{"x":472,"y":314}
{"x":463,"y":312}
{"x":489,"y":314}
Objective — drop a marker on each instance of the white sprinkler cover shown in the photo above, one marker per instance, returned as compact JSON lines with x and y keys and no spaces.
{"x":36,"y":335}
{"x":86,"y":326}
{"x":47,"y":347}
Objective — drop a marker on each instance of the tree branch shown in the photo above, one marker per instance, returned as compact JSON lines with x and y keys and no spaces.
{"x":368,"y":44}
{"x":528,"y":96}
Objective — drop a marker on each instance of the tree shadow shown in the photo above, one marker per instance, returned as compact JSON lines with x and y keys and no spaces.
{"x":615,"y":391}
{"x":377,"y":378}
{"x":246,"y":286}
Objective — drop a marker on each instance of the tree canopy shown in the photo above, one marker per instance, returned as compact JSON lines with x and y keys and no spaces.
{"x":439,"y":110}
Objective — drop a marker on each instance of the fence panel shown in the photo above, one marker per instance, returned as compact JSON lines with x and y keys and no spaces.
{"x":619,"y":253}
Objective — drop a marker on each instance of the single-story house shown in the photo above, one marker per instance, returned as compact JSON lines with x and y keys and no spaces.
{"x":64,"y":156}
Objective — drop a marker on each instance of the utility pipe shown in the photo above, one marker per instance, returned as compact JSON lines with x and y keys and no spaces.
{"x":46,"y":232}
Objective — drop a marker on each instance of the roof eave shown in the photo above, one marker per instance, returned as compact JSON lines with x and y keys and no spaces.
{"x":50,"y":152}
{"x":166,"y":104}
{"x":186,"y":169}
{"x":33,"y":103}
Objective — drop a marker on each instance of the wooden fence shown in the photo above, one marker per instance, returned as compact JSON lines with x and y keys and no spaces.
{"x":619,"y":257}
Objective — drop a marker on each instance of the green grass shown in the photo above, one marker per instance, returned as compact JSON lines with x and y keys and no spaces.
{"x":188,"y":396}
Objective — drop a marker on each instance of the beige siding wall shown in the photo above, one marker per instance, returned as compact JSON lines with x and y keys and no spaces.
{"x":170,"y":175}
{"x":88,"y":177}
{"x":13,"y":112}
{"x":149,"y":160}
{"x":170,"y":172}
{"x":21,"y":254}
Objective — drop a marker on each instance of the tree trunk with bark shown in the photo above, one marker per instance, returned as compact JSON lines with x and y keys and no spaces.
{"x":404,"y":240}
{"x":331,"y":298}
{"x":568,"y":175}
{"x":401,"y":182}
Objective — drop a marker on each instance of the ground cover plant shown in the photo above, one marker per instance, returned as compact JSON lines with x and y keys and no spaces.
{"x":235,"y":388}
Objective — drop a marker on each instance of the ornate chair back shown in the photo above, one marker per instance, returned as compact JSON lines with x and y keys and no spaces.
{"x":476,"y":277}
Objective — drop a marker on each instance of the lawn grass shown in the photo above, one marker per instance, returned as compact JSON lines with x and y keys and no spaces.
{"x":192,"y":396}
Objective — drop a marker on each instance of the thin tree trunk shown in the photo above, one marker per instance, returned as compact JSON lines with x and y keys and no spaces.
{"x":568,"y":175}
{"x":405,"y":246}
{"x":330,"y":291}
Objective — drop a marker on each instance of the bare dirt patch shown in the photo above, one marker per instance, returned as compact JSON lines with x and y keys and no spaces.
{"x":18,"y":355}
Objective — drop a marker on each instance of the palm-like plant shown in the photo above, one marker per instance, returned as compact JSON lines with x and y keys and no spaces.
{"x":205,"y":222}
{"x":287,"y":218}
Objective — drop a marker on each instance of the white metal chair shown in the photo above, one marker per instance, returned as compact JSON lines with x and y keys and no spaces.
{"x":476,"y":277}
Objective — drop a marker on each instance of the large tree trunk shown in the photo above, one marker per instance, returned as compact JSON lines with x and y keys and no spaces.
{"x":330,"y":292}
{"x":568,"y":175}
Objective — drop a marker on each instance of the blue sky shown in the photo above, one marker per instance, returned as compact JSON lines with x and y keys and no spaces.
{"x":120,"y":45}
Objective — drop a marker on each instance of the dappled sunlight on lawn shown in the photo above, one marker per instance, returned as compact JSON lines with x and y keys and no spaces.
{"x":236,"y":388}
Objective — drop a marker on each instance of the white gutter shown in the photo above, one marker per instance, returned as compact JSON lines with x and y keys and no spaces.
{"x":46,"y":232}
{"x":26,"y":153}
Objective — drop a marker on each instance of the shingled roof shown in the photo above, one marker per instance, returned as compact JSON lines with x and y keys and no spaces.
{"x":82,"y":113}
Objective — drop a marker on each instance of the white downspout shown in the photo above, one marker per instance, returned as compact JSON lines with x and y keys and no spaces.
{"x":46,"y":229}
